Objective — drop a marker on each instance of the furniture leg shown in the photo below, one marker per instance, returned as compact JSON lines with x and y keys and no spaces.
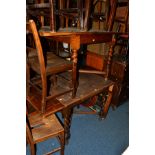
{"x":75,"y":46}
{"x":74,"y":73}
{"x":87,"y":14}
{"x":62,"y":142}
{"x":105,"y":109}
{"x":62,"y":19}
{"x":67,"y":115}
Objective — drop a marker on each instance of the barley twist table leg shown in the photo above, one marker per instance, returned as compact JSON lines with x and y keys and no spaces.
{"x":67,"y":114}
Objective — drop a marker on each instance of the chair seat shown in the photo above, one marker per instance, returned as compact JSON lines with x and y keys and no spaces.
{"x":52,"y":106}
{"x":43,"y":128}
{"x":54,"y":64}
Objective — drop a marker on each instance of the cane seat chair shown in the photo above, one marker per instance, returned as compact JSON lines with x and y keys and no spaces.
{"x":39,"y":129}
{"x":42,"y":72}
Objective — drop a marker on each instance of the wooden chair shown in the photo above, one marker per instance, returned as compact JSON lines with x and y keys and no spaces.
{"x":100,"y":11}
{"x":107,"y":11}
{"x":122,"y":15}
{"x":42,"y":69}
{"x":61,"y":15}
{"x":69,"y":13}
{"x":121,"y":18}
{"x":43,"y":12}
{"x":103,"y":12}
{"x":76,"y":12}
{"x":39,"y":129}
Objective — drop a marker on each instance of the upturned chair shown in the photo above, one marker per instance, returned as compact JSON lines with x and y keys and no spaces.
{"x":115,"y":5}
{"x":122,"y":20}
{"x":39,"y":129}
{"x":100,"y":11}
{"x":61,"y":15}
{"x":74,"y":14}
{"x":70,"y":13}
{"x":122,"y":15}
{"x":43,"y":11}
{"x":42,"y":70}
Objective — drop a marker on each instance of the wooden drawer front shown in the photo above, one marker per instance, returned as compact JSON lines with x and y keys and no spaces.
{"x":94,"y":60}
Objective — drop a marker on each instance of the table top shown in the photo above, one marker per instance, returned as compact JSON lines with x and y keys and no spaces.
{"x":85,"y":90}
{"x":96,"y":85}
{"x":84,"y":37}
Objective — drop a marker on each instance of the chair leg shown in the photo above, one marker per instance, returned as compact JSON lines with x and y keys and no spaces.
{"x":104,"y":112}
{"x":62,"y":143}
{"x":33,"y":150}
{"x":32,"y":147}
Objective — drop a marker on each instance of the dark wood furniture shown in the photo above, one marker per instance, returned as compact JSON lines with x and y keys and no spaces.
{"x":100,"y":11}
{"x":42,"y":12}
{"x":103,"y":11}
{"x":122,"y":15}
{"x":61,"y":15}
{"x":107,"y":11}
{"x":70,"y":15}
{"x":83,"y":89}
{"x":75,"y":39}
{"x":120,"y":64}
{"x":46,"y":66}
{"x":120,"y":74}
{"x":39,"y":129}
{"x":87,"y":85}
{"x":64,"y":14}
{"x":75,"y":11}
{"x":120,"y":71}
